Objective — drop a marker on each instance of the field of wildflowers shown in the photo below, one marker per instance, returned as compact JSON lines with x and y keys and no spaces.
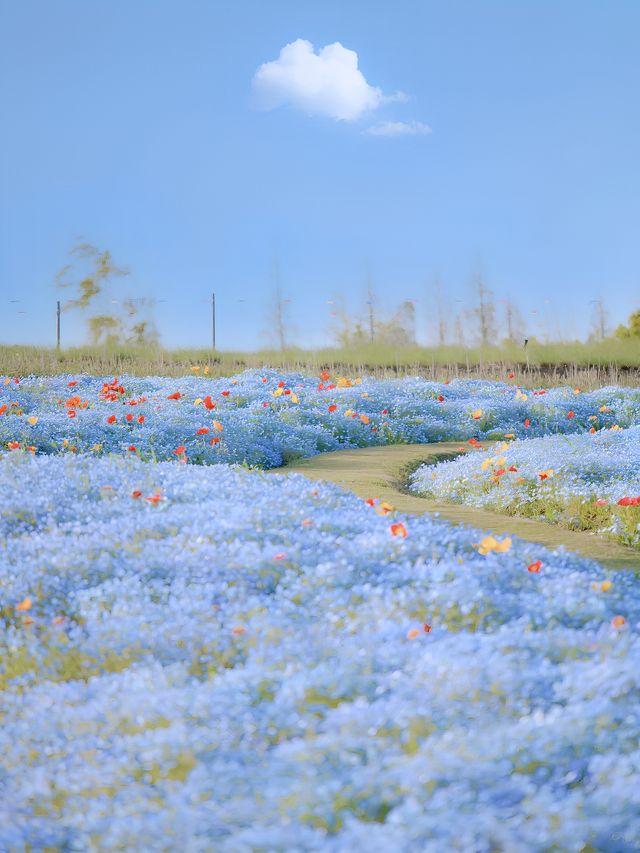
{"x":587,"y":481}
{"x":264,"y":418}
{"x":200,"y":656}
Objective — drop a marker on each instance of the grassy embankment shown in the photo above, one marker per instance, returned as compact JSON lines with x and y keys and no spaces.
{"x":585,"y":365}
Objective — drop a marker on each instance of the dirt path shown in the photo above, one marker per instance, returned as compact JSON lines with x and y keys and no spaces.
{"x":382,"y":472}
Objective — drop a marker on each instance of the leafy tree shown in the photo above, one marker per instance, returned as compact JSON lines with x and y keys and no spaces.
{"x":89,"y":276}
{"x":633,"y":329}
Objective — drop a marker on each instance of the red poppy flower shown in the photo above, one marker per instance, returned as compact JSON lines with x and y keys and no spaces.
{"x":332,"y":407}
{"x":111,"y":419}
{"x":175,"y":396}
{"x":208,"y":403}
{"x":534,"y":568}
{"x":398,"y":529}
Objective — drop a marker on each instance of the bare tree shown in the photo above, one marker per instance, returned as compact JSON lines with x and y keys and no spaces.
{"x":484,"y":312}
{"x":342,"y":327}
{"x":436,"y":313}
{"x":278,"y":312}
{"x":599,"y":320}
{"x":400,"y":329}
{"x":458,"y":328}
{"x":513,"y":322}
{"x":371,"y":301}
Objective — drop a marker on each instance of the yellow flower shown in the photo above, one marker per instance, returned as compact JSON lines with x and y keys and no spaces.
{"x":294,"y":397}
{"x":486,"y":464}
{"x":477,"y":414}
{"x":33,"y":420}
{"x":197,"y":401}
{"x":490,"y":543}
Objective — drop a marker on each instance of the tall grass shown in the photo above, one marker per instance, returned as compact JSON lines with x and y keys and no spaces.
{"x":586,"y":365}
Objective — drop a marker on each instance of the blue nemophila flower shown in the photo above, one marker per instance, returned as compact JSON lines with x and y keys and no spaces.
{"x":269,"y":417}
{"x":216,"y":658}
{"x":550,"y":473}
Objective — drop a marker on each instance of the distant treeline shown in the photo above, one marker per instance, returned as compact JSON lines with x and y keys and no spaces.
{"x":91,"y":276}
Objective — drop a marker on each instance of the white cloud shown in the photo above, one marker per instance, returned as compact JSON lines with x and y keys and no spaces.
{"x":399,"y":128}
{"x":325,"y":83}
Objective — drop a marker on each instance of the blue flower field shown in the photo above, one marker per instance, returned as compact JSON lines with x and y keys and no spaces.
{"x":198,"y":655}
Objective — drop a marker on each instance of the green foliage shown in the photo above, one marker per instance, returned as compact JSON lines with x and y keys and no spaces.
{"x":615,"y":361}
{"x":90,"y":276}
{"x":632,"y":330}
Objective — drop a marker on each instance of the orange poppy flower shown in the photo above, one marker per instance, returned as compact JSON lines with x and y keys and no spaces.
{"x":534,"y":568}
{"x":398,"y":529}
{"x":111,"y":419}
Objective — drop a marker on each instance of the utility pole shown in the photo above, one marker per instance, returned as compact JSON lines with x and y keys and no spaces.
{"x":58,"y":325}
{"x":213,"y":321}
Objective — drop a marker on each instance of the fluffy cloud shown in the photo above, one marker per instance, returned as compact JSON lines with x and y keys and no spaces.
{"x":399,"y":128}
{"x":325,"y":83}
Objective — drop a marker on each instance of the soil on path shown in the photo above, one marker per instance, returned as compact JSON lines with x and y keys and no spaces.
{"x":382,"y":472}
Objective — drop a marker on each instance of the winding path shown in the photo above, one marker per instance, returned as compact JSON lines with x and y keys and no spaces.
{"x":382,"y":472}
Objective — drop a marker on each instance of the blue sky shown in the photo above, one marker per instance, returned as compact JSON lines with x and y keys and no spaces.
{"x":137,"y":126}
